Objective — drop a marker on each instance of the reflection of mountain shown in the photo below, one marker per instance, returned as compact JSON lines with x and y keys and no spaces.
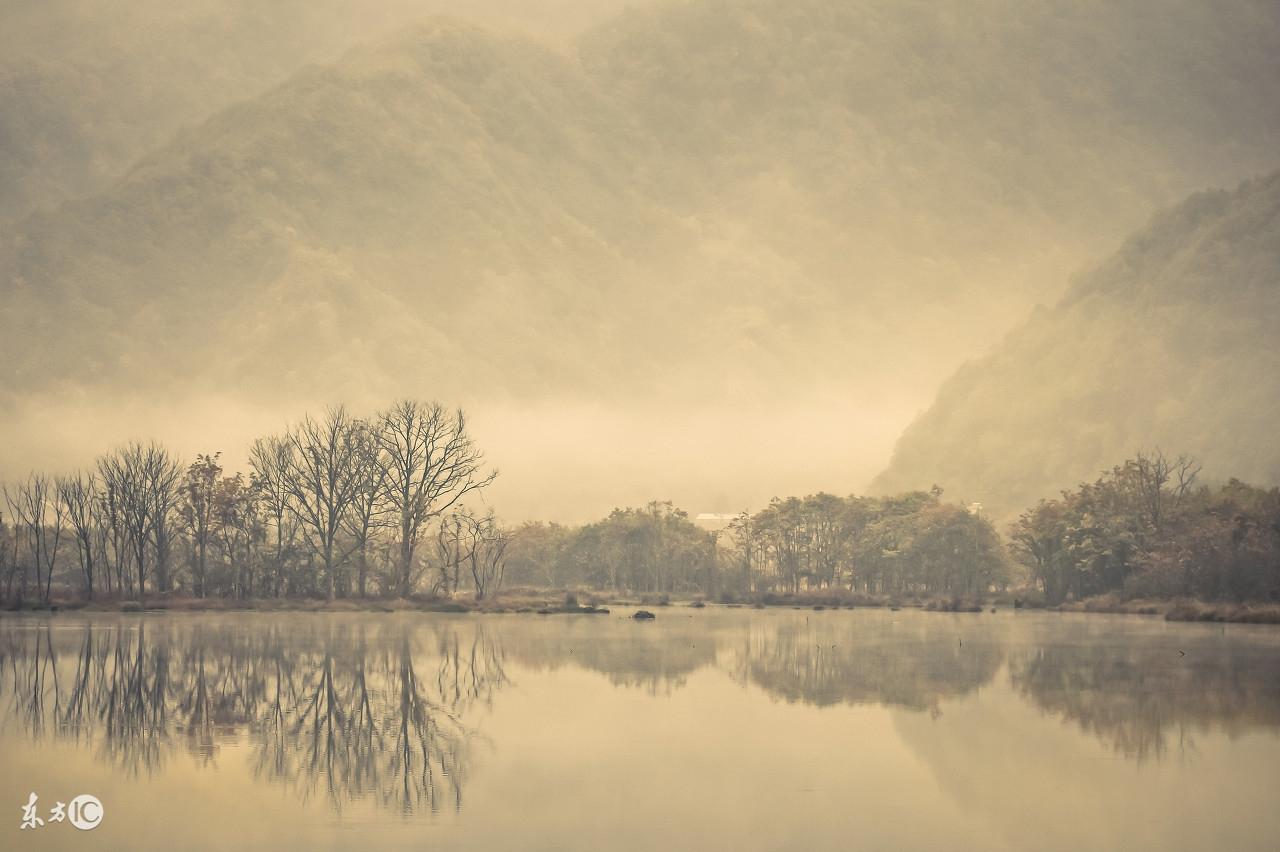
{"x":1141,"y":697}
{"x":830,"y":661}
{"x":1103,"y":736}
{"x":1033,"y":783}
{"x":338,"y":711}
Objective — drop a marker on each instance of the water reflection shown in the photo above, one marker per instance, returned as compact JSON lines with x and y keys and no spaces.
{"x":655,"y":658}
{"x":341,"y":710}
{"x":387,"y":709}
{"x":1148,"y":694}
{"x":827,"y":661}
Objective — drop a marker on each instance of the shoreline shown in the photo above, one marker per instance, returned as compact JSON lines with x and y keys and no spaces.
{"x":560,"y":603}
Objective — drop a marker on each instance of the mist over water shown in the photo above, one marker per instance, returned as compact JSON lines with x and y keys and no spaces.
{"x":351,"y":731}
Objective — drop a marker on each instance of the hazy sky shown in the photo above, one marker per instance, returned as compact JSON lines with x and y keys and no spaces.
{"x":714,"y":253}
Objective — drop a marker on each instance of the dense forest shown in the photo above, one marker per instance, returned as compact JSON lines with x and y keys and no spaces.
{"x":391,"y":506}
{"x":909,"y":544}
{"x":1145,"y":529}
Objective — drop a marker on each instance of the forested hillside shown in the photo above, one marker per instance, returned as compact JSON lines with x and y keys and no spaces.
{"x":1172,"y":342}
{"x":416,"y":203}
{"x":911,"y":151}
{"x":86,"y":89}
{"x":737,"y":211}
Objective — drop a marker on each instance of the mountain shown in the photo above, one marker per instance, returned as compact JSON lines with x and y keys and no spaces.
{"x":702,"y":228}
{"x":86,"y":89}
{"x":1171,"y":343}
{"x":936,"y":147}
{"x":409,"y":205}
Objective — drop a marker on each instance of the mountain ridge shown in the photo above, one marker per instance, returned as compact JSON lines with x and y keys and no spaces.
{"x":697,"y":217}
{"x":1169,"y":343}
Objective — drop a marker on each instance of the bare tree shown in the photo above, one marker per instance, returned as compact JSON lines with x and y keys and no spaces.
{"x":487,"y":547}
{"x":197,"y":509}
{"x":452,"y":540}
{"x":432,"y":463}
{"x":35,"y":505}
{"x":369,"y":504}
{"x":9,"y":564}
{"x":115,"y":550}
{"x":474,"y":543}
{"x":323,"y":482}
{"x":742,"y":533}
{"x":239,"y":529}
{"x":272,"y":461}
{"x":163,"y":473}
{"x":143,"y":482}
{"x":79,"y":497}
{"x":1162,"y":483}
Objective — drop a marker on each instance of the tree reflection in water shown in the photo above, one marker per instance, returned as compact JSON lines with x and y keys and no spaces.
{"x":332,"y":709}
{"x":1143,"y":697}
{"x":655,"y":658}
{"x":826,"y":661}
{"x":384,"y":709}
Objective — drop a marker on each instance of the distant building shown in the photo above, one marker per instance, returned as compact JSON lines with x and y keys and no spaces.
{"x":714,"y":521}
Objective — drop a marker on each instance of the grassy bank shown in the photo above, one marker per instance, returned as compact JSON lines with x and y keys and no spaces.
{"x":844,"y":599}
{"x":545,"y":602}
{"x":1181,"y":609}
{"x":558,"y":602}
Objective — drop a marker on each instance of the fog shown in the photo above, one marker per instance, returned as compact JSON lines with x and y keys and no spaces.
{"x":559,"y":460}
{"x":708,"y":251}
{"x":636,"y":734}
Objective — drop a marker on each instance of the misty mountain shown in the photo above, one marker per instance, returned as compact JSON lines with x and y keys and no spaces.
{"x":88,"y":88}
{"x":738,"y":208}
{"x":888,"y":165}
{"x":410,"y":207}
{"x":1171,"y":342}
{"x":924,"y":145}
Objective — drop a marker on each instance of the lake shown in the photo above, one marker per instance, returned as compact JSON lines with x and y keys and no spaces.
{"x":705,"y":729}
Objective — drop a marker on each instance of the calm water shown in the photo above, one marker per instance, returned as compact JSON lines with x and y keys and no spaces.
{"x":711,"y":729}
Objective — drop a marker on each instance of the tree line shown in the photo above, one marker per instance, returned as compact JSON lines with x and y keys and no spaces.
{"x":345,"y":506}
{"x":912,"y":543}
{"x":1147,"y":528}
{"x":333,"y":506}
